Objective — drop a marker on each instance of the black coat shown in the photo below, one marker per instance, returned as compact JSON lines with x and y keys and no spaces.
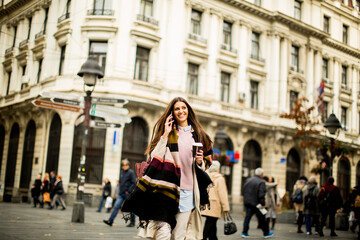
{"x":254,"y":191}
{"x":58,"y":188}
{"x":36,"y":190}
{"x":107,"y":189}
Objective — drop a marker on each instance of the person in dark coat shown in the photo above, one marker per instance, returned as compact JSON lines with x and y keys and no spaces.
{"x":354,"y":206}
{"x":311,"y":205}
{"x":330,"y":206}
{"x":46,"y":190}
{"x":106,"y":193}
{"x":52,"y":183}
{"x":127,"y":184}
{"x":254,"y":191}
{"x":58,"y":192}
{"x":36,"y":190}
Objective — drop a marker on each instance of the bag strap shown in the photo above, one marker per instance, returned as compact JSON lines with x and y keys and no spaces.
{"x":227,"y":217}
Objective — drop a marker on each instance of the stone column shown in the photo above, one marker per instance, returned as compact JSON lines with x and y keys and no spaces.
{"x":354,"y":89}
{"x":243,"y":57}
{"x":337,"y":84}
{"x":309,"y":73}
{"x":284,"y":61}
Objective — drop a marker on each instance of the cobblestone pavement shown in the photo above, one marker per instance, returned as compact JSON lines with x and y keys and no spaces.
{"x":21,"y":221}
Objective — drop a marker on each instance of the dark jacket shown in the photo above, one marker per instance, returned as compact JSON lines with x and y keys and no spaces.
{"x":313,"y":190}
{"x":107,"y":189}
{"x":335,"y":199}
{"x":45,"y":186}
{"x":58,"y":188}
{"x":36,"y":188}
{"x":127,"y":181}
{"x":52,"y":185}
{"x":254,"y":191}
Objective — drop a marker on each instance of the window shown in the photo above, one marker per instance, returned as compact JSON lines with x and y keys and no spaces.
{"x":326,"y":23}
{"x":225,"y":86}
{"x":146,"y":8}
{"x":324,"y":111}
{"x":39,"y":70}
{"x":297,"y":10}
{"x":45,"y":20}
{"x":8,"y":85}
{"x":254,"y":94}
{"x":142,"y":63}
{"x":23,"y":85}
{"x":293,"y":96}
{"x":345,"y":34}
{"x":343,"y":76}
{"x":325,"y":69}
{"x":295,"y":58}
{"x":14,"y":40}
{"x":227,"y":33}
{"x":196,"y":22}
{"x":99,"y":51}
{"x":101,"y":7}
{"x":68,"y":5}
{"x":62,"y":59}
{"x":255,"y":45}
{"x":257,"y":2}
{"x":344,"y":123}
{"x":29,"y":31}
{"x":193,"y":76}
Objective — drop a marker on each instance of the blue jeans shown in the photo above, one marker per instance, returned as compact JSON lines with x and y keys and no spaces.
{"x":250,"y":211}
{"x":308,"y":222}
{"x":118,"y":203}
{"x":101,"y":202}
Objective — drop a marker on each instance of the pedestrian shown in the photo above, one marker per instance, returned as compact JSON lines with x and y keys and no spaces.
{"x":36,"y":190}
{"x":127,"y":184}
{"x":58,"y":192}
{"x":330,"y":201}
{"x":116,"y":192}
{"x":354,"y":199}
{"x":272,"y":201}
{"x":254,"y":191}
{"x":169,"y":196}
{"x":52,"y":183}
{"x":106,"y":193}
{"x":311,"y":205}
{"x":299,"y":189}
{"x":45,"y":190}
{"x":218,"y":196}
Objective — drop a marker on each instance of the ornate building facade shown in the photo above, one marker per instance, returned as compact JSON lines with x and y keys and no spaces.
{"x":239,"y":63}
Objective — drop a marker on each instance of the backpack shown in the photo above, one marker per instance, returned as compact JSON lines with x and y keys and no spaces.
{"x":310,"y":200}
{"x":298,"y":196}
{"x":324,"y":200}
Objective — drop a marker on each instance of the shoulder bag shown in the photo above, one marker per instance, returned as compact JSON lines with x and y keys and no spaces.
{"x":229,"y":225}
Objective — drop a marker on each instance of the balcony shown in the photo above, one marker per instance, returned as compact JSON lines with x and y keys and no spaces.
{"x":9,"y":58}
{"x":197,"y":38}
{"x":9,"y":51}
{"x":296,"y":69}
{"x":227,"y":47}
{"x":63,"y":17}
{"x":100,"y":12}
{"x":257,"y":58}
{"x":23,"y":43}
{"x":39,"y":34}
{"x":146,"y":19}
{"x":39,"y":44}
{"x":23,"y":51}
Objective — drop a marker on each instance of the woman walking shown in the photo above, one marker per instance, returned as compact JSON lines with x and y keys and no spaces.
{"x":218,"y":196}
{"x":36,"y":190}
{"x":272,"y":200}
{"x":58,"y":192}
{"x":169,"y":196}
{"x":46,"y":190}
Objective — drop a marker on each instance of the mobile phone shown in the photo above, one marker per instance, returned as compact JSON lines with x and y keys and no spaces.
{"x":173,"y":118}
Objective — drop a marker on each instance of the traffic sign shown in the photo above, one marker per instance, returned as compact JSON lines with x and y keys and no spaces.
{"x":110,"y":115}
{"x":111,"y":109}
{"x":108,"y":100}
{"x":102,"y":124}
{"x":67,"y":101}
{"x":61,"y":95}
{"x":59,"y":106}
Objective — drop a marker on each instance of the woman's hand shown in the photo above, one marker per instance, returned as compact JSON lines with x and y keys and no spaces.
{"x":168,"y":126}
{"x":199,"y":157}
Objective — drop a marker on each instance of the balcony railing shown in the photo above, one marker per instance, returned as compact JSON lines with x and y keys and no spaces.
{"x":39,"y":34}
{"x":257,"y":58}
{"x":23,"y":43}
{"x":63,"y":17}
{"x":228,"y":48}
{"x":150,"y":20}
{"x":296,"y":69}
{"x":104,"y":12}
{"x":327,"y":81}
{"x":345,"y":87}
{"x":197,"y":38}
{"x":9,"y":50}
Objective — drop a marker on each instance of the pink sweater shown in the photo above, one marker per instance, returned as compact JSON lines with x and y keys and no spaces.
{"x":186,"y":160}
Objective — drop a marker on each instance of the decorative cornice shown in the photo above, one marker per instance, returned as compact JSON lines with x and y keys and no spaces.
{"x":11,"y":7}
{"x":342,"y":47}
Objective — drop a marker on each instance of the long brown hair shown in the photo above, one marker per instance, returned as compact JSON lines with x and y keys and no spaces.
{"x":159,"y":127}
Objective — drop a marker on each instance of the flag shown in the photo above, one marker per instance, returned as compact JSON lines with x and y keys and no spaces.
{"x":320,"y":99}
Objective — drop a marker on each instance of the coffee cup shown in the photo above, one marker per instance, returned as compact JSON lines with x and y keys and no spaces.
{"x":197,"y":146}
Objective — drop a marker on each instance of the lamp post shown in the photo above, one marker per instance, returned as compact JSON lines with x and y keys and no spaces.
{"x":90,"y":71}
{"x":332,"y":124}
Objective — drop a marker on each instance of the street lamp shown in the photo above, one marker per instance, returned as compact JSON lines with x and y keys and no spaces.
{"x":90,"y":71}
{"x":332,"y":124}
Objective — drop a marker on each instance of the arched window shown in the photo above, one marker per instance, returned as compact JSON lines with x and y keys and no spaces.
{"x":11,"y":162}
{"x":28,"y":154}
{"x":252,"y":159}
{"x":2,"y":142}
{"x":94,"y":153}
{"x":343,"y":178}
{"x":135,"y":141}
{"x":52,"y":160}
{"x":292,"y":169}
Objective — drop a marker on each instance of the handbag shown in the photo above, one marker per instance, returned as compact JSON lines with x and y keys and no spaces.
{"x":46,"y":197}
{"x":229,"y":225}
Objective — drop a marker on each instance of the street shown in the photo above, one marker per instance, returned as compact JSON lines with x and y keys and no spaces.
{"x":21,"y":221}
